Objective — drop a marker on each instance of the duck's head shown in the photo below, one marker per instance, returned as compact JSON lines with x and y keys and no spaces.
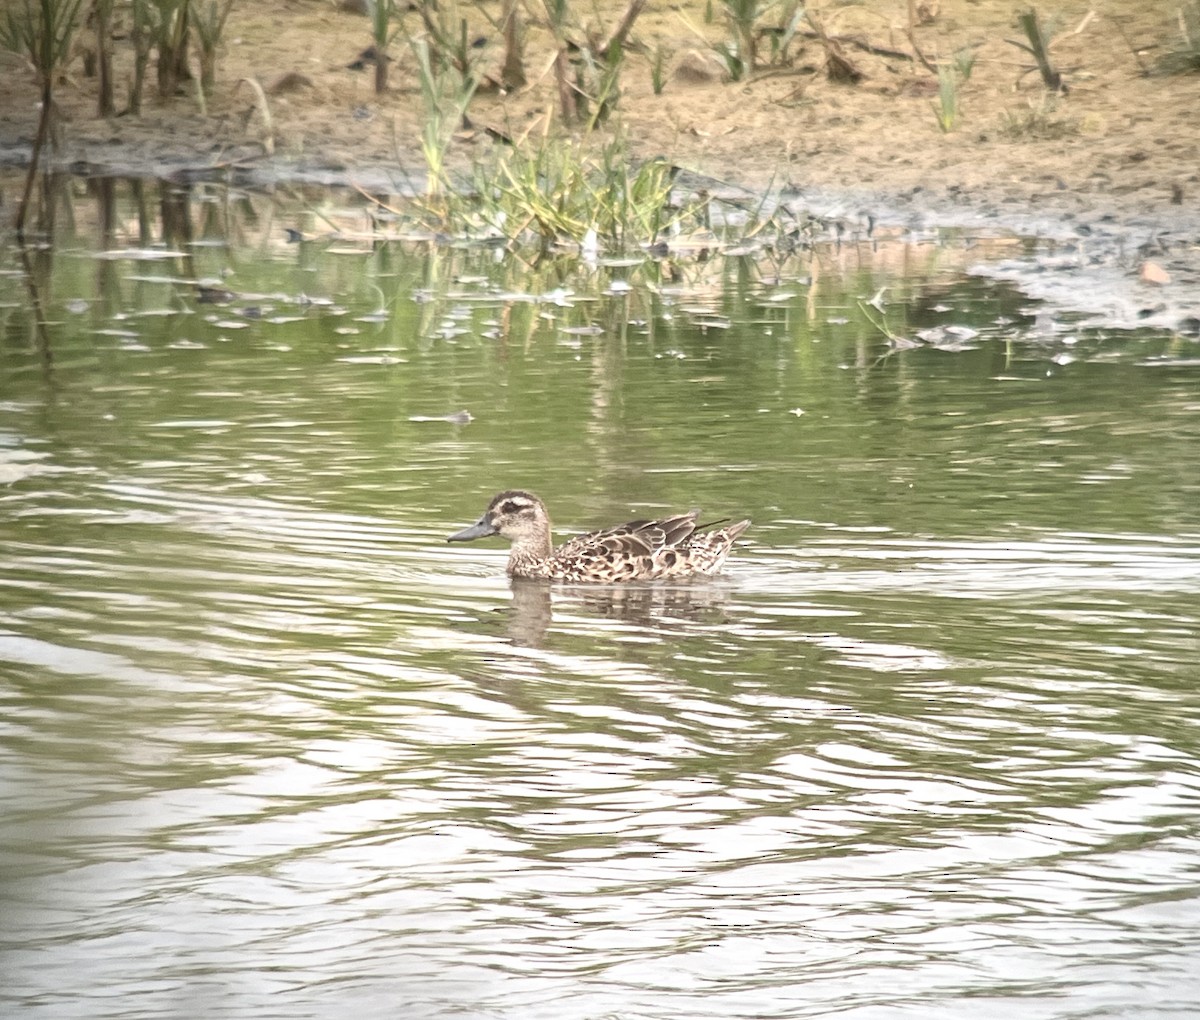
{"x":516,"y":515}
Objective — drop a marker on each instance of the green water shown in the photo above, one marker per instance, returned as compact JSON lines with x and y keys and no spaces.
{"x":270,"y":747}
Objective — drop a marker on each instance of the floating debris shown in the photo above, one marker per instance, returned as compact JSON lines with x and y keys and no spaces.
{"x":949,"y":338}
{"x":156,"y":278}
{"x":560,"y":296}
{"x":372,"y":359}
{"x":139,"y":254}
{"x":462,"y":417}
{"x":1153,"y":273}
{"x":962,"y":332}
{"x":207,"y":295}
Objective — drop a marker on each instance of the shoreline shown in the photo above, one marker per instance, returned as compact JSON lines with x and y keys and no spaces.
{"x":1109,"y":174}
{"x":1094,"y":268}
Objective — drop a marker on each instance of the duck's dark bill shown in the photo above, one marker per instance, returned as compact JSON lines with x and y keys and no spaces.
{"x":480,"y":529}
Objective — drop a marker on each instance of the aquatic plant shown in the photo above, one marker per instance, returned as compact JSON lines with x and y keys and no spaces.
{"x":445,"y":96}
{"x":449,"y":64}
{"x":878,"y":320}
{"x":543,"y":187}
{"x":102,"y":23}
{"x":951,"y":77}
{"x":208,"y":25}
{"x":604,"y":78}
{"x":631,"y":202}
{"x":946,"y":109}
{"x":556,"y":14}
{"x":587,"y":66}
{"x":964,"y":63}
{"x":738,"y":52}
{"x":544,"y":191}
{"x":450,"y":42}
{"x":141,"y":34}
{"x":538,"y":186}
{"x":42,"y":30}
{"x":781,"y":37}
{"x":1039,"y":119}
{"x":658,"y":66}
{"x":742,"y":18}
{"x":512,"y":28}
{"x":1039,"y":38}
{"x":382,"y":33}
{"x":165,"y":27}
{"x":169,"y":24}
{"x":745,"y":20}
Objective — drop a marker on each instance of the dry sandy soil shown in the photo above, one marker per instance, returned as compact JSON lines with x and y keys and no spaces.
{"x":1121,"y":147}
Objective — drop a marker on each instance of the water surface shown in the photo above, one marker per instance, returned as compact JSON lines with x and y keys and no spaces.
{"x":270,"y":747}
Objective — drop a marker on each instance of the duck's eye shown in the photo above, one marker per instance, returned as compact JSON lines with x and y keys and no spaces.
{"x":510,"y":508}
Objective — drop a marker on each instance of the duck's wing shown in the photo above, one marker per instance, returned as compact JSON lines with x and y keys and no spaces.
{"x":634,"y":538}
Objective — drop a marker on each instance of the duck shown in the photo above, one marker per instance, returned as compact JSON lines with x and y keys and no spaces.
{"x":642,"y":550}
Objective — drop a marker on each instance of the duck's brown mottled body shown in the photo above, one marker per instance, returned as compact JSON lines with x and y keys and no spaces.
{"x":637,"y":551}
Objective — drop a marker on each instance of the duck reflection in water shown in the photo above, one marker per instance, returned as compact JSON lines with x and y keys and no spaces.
{"x":648,"y":606}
